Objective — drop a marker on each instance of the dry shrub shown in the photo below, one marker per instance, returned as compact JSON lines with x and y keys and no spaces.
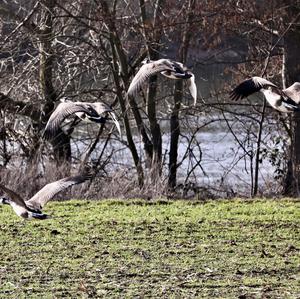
{"x":28,"y":179}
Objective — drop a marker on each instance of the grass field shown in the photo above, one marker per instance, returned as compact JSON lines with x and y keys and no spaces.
{"x":142,"y":249}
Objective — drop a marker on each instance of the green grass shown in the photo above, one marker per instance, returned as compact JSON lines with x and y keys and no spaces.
{"x":142,"y":249}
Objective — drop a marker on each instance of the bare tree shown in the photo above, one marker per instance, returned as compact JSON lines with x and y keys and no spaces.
{"x":90,"y":51}
{"x":292,"y":74}
{"x":174,"y":121}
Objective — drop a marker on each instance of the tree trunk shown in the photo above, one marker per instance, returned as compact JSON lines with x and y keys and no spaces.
{"x":152,"y":42}
{"x":174,"y":121}
{"x":61,"y":142}
{"x":175,"y":132}
{"x":292,"y":69}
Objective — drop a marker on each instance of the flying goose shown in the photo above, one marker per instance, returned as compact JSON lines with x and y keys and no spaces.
{"x":286,"y":100}
{"x":168,"y":68}
{"x":95,"y":112}
{"x":32,"y":208}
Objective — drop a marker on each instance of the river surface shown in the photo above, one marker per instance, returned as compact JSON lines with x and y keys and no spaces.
{"x":223,"y":166}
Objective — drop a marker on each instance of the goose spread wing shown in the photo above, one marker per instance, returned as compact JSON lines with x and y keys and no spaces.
{"x":13,"y":196}
{"x":249,"y":87}
{"x":193,"y":88}
{"x":293,"y":92}
{"x":62,"y":111}
{"x":39,"y":200}
{"x":146,"y":71}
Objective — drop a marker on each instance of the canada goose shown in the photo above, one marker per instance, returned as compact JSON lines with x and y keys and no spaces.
{"x":32,"y":208}
{"x":286,"y":100}
{"x":168,"y":68}
{"x":95,"y":112}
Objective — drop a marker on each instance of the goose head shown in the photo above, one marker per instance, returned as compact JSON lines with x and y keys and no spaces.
{"x":179,"y":71}
{"x":65,"y":100}
{"x":146,"y":60}
{"x":4,"y":201}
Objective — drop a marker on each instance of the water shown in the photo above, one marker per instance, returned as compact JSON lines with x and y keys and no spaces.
{"x":208,"y":153}
{"x":223,"y":165}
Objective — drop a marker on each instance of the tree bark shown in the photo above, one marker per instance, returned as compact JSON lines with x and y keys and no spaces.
{"x":174,"y":121}
{"x":292,"y":74}
{"x":175,"y":133}
{"x":60,"y":142}
{"x":152,"y":38}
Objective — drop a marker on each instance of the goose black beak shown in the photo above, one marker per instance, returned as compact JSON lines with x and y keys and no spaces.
{"x":183,"y":76}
